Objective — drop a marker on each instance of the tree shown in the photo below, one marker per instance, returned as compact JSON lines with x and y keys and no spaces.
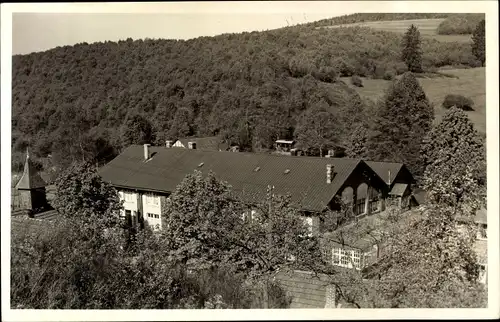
{"x":356,"y":144}
{"x":318,"y":128}
{"x":81,"y":193}
{"x":136,"y":130}
{"x":402,"y":120}
{"x":208,"y":227}
{"x":479,"y":42}
{"x":430,"y":262}
{"x":454,"y":157}
{"x":412,"y":53}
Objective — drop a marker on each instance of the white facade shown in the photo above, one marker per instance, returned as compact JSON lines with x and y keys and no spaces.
{"x":137,"y":203}
{"x":178,"y":144}
{"x":152,"y":210}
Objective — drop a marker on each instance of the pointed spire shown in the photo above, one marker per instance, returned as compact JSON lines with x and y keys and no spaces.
{"x":30,"y":179}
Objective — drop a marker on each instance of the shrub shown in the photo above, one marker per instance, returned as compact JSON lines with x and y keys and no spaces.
{"x":344,"y":68}
{"x":459,"y":101}
{"x":389,"y":75}
{"x":356,"y":81}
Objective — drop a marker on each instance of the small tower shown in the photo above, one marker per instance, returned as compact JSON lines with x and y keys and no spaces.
{"x":31,"y":188}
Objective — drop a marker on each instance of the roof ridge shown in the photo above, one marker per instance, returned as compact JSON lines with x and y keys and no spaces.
{"x":261,"y":153}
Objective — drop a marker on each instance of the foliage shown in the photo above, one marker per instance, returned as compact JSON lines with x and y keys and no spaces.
{"x":412,"y":52}
{"x":454,"y":157}
{"x":318,"y":129}
{"x":459,"y":24}
{"x":430,"y":262}
{"x":136,"y":130}
{"x":209,"y":228}
{"x":479,"y":42}
{"x":356,"y":81}
{"x":81,"y":193}
{"x":459,"y":101}
{"x":403,"y":119}
{"x":74,"y":102}
{"x":357,"y":144}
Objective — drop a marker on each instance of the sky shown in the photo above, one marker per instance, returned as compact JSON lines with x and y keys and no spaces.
{"x":42,"y":30}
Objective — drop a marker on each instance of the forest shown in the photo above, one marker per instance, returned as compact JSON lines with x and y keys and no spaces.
{"x":86,"y":102}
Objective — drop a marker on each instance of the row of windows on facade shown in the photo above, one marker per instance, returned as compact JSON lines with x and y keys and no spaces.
{"x":150,"y":198}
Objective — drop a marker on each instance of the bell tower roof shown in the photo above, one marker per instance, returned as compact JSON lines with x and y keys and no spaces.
{"x":31,"y":179}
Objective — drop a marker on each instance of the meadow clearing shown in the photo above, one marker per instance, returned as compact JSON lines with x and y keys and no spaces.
{"x":468,"y":82}
{"x":427,"y":28}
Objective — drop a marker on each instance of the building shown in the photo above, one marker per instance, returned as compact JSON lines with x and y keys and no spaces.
{"x":213,"y":143}
{"x":31,"y":194}
{"x":398,"y":179}
{"x":145,"y":176}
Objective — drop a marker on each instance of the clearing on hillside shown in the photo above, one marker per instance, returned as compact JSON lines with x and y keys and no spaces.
{"x":469,"y":82}
{"x":427,"y":28}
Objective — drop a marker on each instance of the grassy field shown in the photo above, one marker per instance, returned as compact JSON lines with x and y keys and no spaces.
{"x":469,"y":82}
{"x":427,"y":28}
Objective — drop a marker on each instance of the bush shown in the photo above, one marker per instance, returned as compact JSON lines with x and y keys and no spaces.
{"x":344,"y":68}
{"x":389,"y":75}
{"x":459,"y":101}
{"x":356,"y":81}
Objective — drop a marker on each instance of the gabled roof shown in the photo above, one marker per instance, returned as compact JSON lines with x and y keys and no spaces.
{"x":249,"y":174}
{"x":398,"y":189}
{"x":30,"y":178}
{"x":213,"y":143}
{"x":382,"y":170}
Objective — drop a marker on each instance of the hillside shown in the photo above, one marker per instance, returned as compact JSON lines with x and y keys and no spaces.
{"x":74,"y":102}
{"x":467,"y":82}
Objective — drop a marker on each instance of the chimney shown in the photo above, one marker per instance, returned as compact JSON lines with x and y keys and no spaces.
{"x":168,"y":144}
{"x":330,"y":297}
{"x":192,"y":145}
{"x":146,"y":151}
{"x":329,"y":173}
{"x":389,"y":177}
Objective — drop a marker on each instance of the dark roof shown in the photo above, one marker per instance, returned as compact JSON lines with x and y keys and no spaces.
{"x":30,"y":179}
{"x":398,"y":189}
{"x":382,"y":169}
{"x":306,"y":290}
{"x":213,"y":143}
{"x":249,"y":174}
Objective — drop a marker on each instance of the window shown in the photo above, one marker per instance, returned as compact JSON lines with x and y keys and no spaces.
{"x":129,"y":196}
{"x":360,"y":206}
{"x":152,"y":200}
{"x":374,"y":205}
{"x":347,"y":258}
{"x":336,"y":256}
{"x":154,"y":220}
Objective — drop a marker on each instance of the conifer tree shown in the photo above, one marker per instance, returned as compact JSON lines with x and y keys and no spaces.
{"x":402,"y":120}
{"x":412,"y":53}
{"x":455,"y":162}
{"x":479,"y":42}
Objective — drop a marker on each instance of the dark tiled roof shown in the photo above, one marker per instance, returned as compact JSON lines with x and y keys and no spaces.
{"x":31,"y":178}
{"x":382,"y":169}
{"x":213,"y":143}
{"x":305,"y":181}
{"x":306,"y":290}
{"x":398,"y":189}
